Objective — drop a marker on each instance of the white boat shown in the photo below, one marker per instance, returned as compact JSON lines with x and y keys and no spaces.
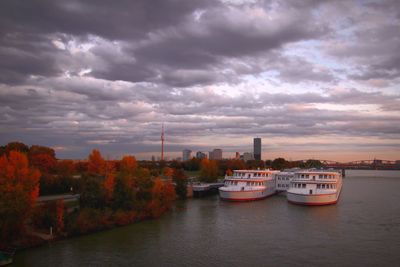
{"x":315,"y":187}
{"x":246,"y":185}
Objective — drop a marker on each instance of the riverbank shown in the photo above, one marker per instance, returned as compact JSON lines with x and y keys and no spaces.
{"x":88,"y":221}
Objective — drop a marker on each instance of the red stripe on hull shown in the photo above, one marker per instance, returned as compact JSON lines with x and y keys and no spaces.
{"x":245,"y":199}
{"x":313,"y":203}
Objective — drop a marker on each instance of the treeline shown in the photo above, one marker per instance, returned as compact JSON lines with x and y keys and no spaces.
{"x":112,"y":193}
{"x":211,"y":170}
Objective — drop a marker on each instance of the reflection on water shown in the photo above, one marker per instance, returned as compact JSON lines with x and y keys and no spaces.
{"x":363,"y":229}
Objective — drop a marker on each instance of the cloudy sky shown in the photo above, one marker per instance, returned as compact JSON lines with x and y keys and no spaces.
{"x":313,"y":79}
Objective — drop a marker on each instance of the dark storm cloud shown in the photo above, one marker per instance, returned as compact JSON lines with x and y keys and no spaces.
{"x":115,"y":21}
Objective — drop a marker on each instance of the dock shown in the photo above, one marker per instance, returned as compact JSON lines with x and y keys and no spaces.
{"x":206,"y":189}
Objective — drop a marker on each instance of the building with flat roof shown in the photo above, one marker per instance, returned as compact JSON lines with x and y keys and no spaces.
{"x":257,"y":148}
{"x":186,"y":154}
{"x":215,"y":154}
{"x":248,"y":156}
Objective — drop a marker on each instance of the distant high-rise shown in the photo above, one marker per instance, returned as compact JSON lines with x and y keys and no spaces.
{"x":237,"y":155}
{"x":201,"y":155}
{"x":257,"y":148}
{"x":248,"y":156}
{"x":216,"y":154}
{"x":186,"y":154}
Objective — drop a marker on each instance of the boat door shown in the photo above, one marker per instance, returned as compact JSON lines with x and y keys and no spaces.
{"x":310,"y":191}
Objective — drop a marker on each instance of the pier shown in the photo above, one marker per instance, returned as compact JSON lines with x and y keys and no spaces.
{"x":206,"y":189}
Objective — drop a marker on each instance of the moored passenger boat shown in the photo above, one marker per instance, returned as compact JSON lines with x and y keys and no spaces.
{"x":246,"y":185}
{"x":315,"y":187}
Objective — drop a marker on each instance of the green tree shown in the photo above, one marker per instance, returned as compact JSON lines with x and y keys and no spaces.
{"x":180,"y":180}
{"x":279,"y":164}
{"x":17,"y":146}
{"x":92,"y":193}
{"x":124,"y":192}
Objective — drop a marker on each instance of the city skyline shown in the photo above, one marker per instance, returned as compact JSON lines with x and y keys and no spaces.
{"x":313,"y":79}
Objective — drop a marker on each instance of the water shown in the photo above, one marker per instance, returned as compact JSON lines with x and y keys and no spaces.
{"x":363,"y":229}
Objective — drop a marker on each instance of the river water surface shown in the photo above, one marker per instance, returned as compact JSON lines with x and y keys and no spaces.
{"x":362,"y":229}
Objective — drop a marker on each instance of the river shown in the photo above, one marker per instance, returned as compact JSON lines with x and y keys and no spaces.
{"x":362,"y":229}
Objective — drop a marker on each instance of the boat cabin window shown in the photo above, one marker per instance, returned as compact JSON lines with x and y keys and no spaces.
{"x":303,"y":185}
{"x":323,"y":186}
{"x":320,"y":176}
{"x":325,"y":176}
{"x":302,"y":176}
{"x":307,"y":176}
{"x":318,"y":186}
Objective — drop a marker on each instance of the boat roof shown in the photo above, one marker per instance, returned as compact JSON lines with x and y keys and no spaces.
{"x":252,"y":171}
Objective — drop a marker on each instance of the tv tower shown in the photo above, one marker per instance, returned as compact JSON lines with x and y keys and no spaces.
{"x":162,"y":142}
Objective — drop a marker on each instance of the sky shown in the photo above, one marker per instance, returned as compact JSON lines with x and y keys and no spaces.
{"x":313,"y":79}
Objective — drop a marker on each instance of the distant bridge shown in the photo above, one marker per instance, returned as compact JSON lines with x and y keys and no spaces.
{"x":375,"y":164}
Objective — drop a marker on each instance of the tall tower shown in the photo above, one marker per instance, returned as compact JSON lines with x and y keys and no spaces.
{"x":162,"y":142}
{"x":257,"y":148}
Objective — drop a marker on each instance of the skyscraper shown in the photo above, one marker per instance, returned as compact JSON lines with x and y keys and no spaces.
{"x":186,"y":154}
{"x":257,"y":148}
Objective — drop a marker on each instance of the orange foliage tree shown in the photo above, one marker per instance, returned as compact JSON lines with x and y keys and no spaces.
{"x":96,"y":163}
{"x":44,"y":162}
{"x":109,"y":184}
{"x":128,"y":165}
{"x":163,"y":194}
{"x":19,"y":189}
{"x":168,"y":172}
{"x":65,"y":167}
{"x":208,"y":170}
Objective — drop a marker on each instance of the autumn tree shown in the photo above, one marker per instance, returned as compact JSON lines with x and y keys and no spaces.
{"x":128,"y":165}
{"x":109,"y":184}
{"x":18,"y":192}
{"x":44,"y":162}
{"x":162,"y":196}
{"x":36,"y":150}
{"x":208,"y":171}
{"x":168,"y":172}
{"x":96,"y":163}
{"x":180,"y":180}
{"x":65,"y":167}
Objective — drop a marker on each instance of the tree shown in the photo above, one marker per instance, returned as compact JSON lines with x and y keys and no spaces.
{"x":180,"y":180}
{"x":65,"y":167}
{"x":168,"y":172}
{"x":35,"y":150}
{"x":236,"y":164}
{"x":92,"y":193}
{"x":17,"y":146}
{"x":19,"y":189}
{"x":279,"y":164}
{"x":109,"y":184}
{"x":96,"y":163}
{"x":44,"y":162}
{"x":162,"y":196}
{"x":208,"y":171}
{"x":124,"y":193}
{"x":128,"y":165}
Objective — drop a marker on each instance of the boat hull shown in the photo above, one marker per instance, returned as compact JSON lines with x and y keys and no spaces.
{"x":312,"y":200}
{"x":246,"y":195}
